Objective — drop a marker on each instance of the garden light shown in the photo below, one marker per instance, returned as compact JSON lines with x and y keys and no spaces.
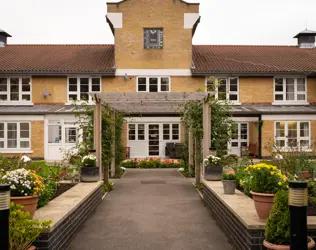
{"x":298,"y":201}
{"x":4,"y":216}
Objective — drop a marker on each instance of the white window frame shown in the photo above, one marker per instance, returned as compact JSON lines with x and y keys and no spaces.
{"x":90,"y":101}
{"x":136,"y":131}
{"x":289,"y":102}
{"x":299,"y":138}
{"x":18,"y":149}
{"x":228,"y":92}
{"x":171,"y":132}
{"x":8,"y":92}
{"x":159,"y":83}
{"x":239,"y":140}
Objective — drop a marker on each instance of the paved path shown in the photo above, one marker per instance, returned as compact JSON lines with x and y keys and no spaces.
{"x":151,"y":210}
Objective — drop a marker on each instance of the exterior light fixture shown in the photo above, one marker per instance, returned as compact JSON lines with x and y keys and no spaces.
{"x":92,"y":152}
{"x":4,"y":216}
{"x":298,"y":202}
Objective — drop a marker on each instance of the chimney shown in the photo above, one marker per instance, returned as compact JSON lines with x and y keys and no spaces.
{"x":3,"y":38}
{"x":306,"y":39}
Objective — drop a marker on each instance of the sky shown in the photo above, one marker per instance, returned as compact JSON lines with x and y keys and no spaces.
{"x":253,"y":22}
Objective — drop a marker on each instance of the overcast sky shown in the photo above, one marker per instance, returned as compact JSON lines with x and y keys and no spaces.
{"x":223,"y":21}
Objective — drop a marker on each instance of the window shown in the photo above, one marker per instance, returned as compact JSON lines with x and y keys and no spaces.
{"x":15,"y":135}
{"x":136,"y":132}
{"x":292,"y":134}
{"x":71,"y":134}
{"x":226,"y":88}
{"x":15,"y":89}
{"x":171,"y":132}
{"x":239,"y":135}
{"x":153,"y":84}
{"x":79,"y":88}
{"x":153,"y":38}
{"x":289,"y":89}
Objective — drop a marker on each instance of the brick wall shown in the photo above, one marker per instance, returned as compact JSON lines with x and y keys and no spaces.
{"x":267,"y":137}
{"x":256,"y":90}
{"x":311,"y":90}
{"x":129,"y":40}
{"x":56,"y":86}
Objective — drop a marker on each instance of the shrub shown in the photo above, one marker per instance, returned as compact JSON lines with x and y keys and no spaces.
{"x":47,"y":193}
{"x":89,"y":161}
{"x":24,"y":182}
{"x":23,"y":229}
{"x":229,"y":160}
{"x":277,"y":229}
{"x":152,"y":163}
{"x":212,"y":160}
{"x":263,"y":178}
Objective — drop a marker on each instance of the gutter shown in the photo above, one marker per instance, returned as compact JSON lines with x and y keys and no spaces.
{"x":47,"y":73}
{"x":251,"y":73}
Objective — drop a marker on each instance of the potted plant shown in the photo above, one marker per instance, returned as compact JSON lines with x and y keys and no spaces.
{"x":229,"y":181}
{"x":25,"y":187}
{"x":277,"y":230}
{"x":263,"y":181}
{"x":89,"y":170}
{"x":213,"y":169}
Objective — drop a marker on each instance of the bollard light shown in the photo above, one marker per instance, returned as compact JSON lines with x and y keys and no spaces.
{"x":298,"y":202}
{"x":4,"y":216}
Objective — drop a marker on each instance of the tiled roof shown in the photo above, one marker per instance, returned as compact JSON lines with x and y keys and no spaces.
{"x":57,"y":59}
{"x":253,"y":59}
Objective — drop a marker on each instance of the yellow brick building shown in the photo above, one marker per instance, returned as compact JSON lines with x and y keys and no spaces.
{"x":272,"y":88}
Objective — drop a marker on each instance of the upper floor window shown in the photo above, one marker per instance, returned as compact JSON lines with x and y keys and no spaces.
{"x":153,"y":38}
{"x":289,"y":89}
{"x":226,"y":88}
{"x":15,"y":89}
{"x":79,"y":88}
{"x":153,"y":84}
{"x":15,"y":135}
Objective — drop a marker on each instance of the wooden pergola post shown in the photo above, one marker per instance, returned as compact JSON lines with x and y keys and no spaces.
{"x":191,"y":151}
{"x":98,"y":134}
{"x":197,"y":161}
{"x":113,"y":145}
{"x":206,"y":131}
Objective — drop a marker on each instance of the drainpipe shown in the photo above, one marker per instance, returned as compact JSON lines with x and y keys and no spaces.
{"x":259,"y":137}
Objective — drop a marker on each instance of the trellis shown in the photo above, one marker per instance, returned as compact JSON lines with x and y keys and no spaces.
{"x":150,"y":103}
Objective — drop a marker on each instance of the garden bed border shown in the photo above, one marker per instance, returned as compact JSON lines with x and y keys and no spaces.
{"x":237,"y":217}
{"x":67,"y":212}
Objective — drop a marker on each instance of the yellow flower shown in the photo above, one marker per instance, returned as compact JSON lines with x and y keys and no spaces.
{"x":246,"y":169}
{"x":280,"y":183}
{"x":272,"y":173}
{"x":241,"y":182}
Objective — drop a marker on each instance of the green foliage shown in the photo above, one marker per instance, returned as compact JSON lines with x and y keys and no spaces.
{"x":89,"y":161}
{"x":227,"y":176}
{"x":47,"y":193}
{"x":229,"y":160}
{"x":23,"y":229}
{"x":185,"y":153}
{"x":263,"y":178}
{"x":277,"y":229}
{"x":152,"y":163}
{"x":118,"y":142}
{"x":107,"y":187}
{"x":199,"y":186}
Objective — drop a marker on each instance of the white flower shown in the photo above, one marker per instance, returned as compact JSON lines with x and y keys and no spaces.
{"x":25,"y":158}
{"x":22,"y":191}
{"x":123,"y":168}
{"x":90,"y":157}
{"x":279,"y":157}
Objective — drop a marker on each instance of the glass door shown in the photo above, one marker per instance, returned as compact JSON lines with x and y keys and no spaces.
{"x":153,"y":140}
{"x":239,"y":140}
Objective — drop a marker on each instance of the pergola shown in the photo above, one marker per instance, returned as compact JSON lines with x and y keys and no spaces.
{"x":149,"y":103}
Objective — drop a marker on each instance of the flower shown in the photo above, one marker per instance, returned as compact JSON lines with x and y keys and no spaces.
{"x":280,"y":183}
{"x":278,"y":157}
{"x":25,"y":158}
{"x":272,"y":173}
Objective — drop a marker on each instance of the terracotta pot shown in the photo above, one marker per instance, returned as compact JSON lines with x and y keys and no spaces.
{"x":32,"y":248}
{"x":271,"y":246}
{"x":263,"y":204}
{"x":306,"y":175}
{"x":29,"y":203}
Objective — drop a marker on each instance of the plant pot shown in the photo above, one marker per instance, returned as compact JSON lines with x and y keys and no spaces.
{"x":271,"y":246}
{"x":306,"y":175}
{"x":213,"y":173}
{"x":229,"y":186}
{"x":90,"y":174}
{"x":29,"y":203}
{"x":263,"y":204}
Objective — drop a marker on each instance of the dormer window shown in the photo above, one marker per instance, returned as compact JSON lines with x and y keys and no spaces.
{"x":153,"y":38}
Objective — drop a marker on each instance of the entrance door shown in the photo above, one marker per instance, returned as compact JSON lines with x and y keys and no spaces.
{"x":239,"y":140}
{"x":153,"y":140}
{"x":62,"y":136}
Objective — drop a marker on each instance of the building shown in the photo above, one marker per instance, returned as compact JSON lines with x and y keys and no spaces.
{"x":272,"y":88}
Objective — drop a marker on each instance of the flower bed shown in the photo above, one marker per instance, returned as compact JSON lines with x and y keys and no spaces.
{"x":151,"y":163}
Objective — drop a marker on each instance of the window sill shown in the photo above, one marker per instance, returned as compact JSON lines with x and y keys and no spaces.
{"x":80,"y":103}
{"x":19,"y":151}
{"x":12,"y":103}
{"x":289,"y":150}
{"x":290,"y":103}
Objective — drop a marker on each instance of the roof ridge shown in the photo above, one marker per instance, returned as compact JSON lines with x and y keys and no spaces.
{"x":59,"y":44}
